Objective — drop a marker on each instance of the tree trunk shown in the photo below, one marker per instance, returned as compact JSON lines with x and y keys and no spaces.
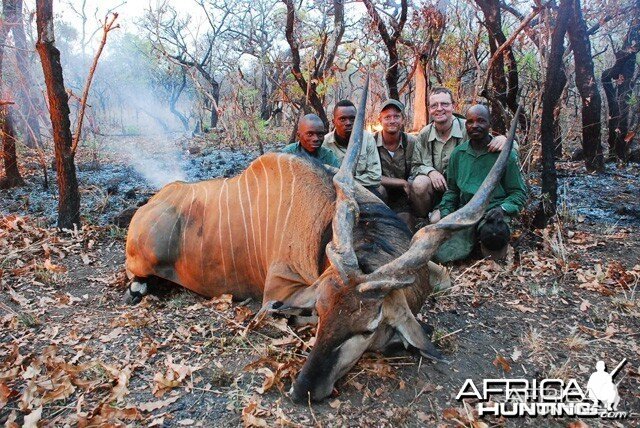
{"x":586,"y":84}
{"x":29,"y":94}
{"x":420,"y":94}
{"x":553,"y":87}
{"x":502,"y":89}
{"x":617,"y":83}
{"x":215,"y":94}
{"x":69,"y":196}
{"x":391,"y":42}
{"x":12,"y":176}
{"x":265,"y":103}
{"x":327,"y":51}
{"x":173,"y":100}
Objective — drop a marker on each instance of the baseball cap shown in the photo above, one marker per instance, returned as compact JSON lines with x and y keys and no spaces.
{"x":391,"y":102}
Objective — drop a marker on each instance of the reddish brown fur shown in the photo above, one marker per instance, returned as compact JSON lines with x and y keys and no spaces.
{"x":246,"y":236}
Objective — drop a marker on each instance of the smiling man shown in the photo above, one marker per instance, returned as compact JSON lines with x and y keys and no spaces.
{"x":469,"y":164}
{"x":310,"y":135}
{"x":401,"y":192}
{"x":435,"y":144}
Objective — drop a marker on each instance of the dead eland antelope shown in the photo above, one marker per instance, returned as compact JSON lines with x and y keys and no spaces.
{"x":280,"y":231}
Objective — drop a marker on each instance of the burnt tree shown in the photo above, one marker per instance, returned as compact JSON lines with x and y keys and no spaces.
{"x":588,"y":89}
{"x":322,"y":65}
{"x":504,"y":92}
{"x":617,"y":83}
{"x":68,"y":194}
{"x":12,"y":176}
{"x":554,"y":83}
{"x":30,"y":102}
{"x":391,"y":42}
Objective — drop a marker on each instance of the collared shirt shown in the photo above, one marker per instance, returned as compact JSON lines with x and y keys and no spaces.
{"x":368,"y":169}
{"x":467,"y":170}
{"x":323,"y":154}
{"x":432,"y":152}
{"x":398,"y":165}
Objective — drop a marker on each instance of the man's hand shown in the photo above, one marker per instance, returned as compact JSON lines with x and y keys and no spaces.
{"x":497,"y":143}
{"x":438,"y":181}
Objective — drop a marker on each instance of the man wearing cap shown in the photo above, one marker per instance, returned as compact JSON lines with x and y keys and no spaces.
{"x":469,"y":164}
{"x":395,"y":148}
{"x":310,"y":134}
{"x":436,"y":142}
{"x":368,"y":169}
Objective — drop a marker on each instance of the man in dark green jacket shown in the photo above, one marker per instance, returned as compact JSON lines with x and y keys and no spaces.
{"x":310,"y":135}
{"x":469,"y":164}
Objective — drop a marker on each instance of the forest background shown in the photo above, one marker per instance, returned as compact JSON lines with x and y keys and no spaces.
{"x":104,"y":102}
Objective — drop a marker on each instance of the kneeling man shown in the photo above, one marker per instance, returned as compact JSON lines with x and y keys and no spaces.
{"x":310,"y":134}
{"x":469,"y":164}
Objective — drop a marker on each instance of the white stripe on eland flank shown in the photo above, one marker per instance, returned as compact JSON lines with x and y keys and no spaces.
{"x":253,"y":231}
{"x":221,"y":246}
{"x":279,"y":229}
{"x":291,"y":202}
{"x":206,"y":201}
{"x":252,"y":168}
{"x":267,"y":219}
{"x":246,"y":231}
{"x":233,"y":256}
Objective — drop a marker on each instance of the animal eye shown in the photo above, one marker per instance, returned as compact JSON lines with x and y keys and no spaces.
{"x":367,"y":334}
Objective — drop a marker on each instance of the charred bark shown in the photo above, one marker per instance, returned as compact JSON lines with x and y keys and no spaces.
{"x":617,"y":83}
{"x":553,"y":86}
{"x":30,"y":98}
{"x":69,"y":196}
{"x":588,"y":89}
{"x":12,"y":176}
{"x":391,"y":42}
{"x":325,"y":57}
{"x":505,"y":86}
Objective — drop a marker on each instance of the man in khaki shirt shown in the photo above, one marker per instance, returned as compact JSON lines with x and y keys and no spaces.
{"x":436,"y":141}
{"x":396,"y":149}
{"x":368,"y":169}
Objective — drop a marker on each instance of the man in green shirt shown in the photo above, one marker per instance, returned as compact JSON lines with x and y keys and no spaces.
{"x":469,"y":164}
{"x":310,"y":135}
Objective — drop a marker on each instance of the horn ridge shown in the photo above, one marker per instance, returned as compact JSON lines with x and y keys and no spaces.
{"x":341,"y":248}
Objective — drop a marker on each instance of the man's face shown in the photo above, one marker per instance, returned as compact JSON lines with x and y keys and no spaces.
{"x":392,"y":120}
{"x":478,"y":124}
{"x":441,"y":107}
{"x":311,"y":134}
{"x":343,"y":119}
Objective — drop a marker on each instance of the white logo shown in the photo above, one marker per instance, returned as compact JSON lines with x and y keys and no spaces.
{"x":601,"y":387}
{"x":548,"y":397}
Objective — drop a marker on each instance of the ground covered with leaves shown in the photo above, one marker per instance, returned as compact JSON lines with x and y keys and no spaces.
{"x":72,"y":354}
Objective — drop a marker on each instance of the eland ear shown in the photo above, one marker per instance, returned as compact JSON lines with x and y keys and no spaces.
{"x":413,"y":333}
{"x":399,"y":316}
